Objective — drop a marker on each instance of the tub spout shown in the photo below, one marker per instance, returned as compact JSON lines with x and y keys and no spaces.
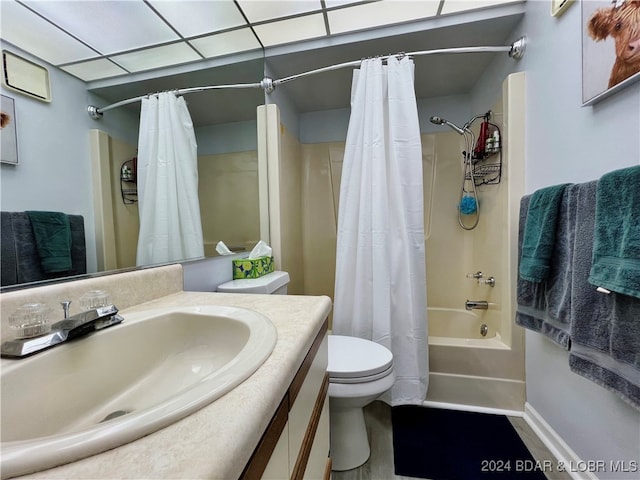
{"x":476,"y":304}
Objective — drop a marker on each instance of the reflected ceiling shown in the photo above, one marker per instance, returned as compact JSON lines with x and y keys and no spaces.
{"x":128,"y":48}
{"x":95,"y":40}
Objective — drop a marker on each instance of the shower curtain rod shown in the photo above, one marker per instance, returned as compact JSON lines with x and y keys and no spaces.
{"x":516,"y":50}
{"x":96,"y":113}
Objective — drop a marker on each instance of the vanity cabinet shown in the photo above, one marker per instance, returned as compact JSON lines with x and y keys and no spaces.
{"x":296,"y":443}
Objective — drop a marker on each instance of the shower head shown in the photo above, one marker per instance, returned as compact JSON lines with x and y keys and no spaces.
{"x":442,"y":121}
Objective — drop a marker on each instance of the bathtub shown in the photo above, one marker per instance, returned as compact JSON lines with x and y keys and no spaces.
{"x":468,"y":370}
{"x":457,"y":327}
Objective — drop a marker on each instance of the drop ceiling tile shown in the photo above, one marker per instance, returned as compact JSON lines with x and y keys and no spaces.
{"x":94,"y":69}
{"x":291,"y":30}
{"x":109,"y":26}
{"x":27,"y":30}
{"x":377,"y":14}
{"x":226,"y":43}
{"x":454,"y":6}
{"x":258,"y":11}
{"x":192,"y":18}
{"x":157,"y":57}
{"x":337,"y":3}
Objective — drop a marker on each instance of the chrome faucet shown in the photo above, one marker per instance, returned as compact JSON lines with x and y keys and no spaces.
{"x":65,"y":308}
{"x":476,"y":305}
{"x":67,"y":329}
{"x":491,"y":281}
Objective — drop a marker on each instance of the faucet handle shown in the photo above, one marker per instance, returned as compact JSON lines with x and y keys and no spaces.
{"x":491,"y":281}
{"x":477,"y":275}
{"x":65,"y":307}
{"x":94,"y":299}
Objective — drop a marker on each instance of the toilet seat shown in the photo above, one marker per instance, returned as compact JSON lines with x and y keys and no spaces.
{"x":356,"y":360}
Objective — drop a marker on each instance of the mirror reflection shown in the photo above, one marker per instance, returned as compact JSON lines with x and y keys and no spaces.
{"x":227,"y":167}
{"x":68,"y":162}
{"x":85,"y":168}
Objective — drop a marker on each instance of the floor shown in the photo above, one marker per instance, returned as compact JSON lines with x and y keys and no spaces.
{"x":380,"y":464}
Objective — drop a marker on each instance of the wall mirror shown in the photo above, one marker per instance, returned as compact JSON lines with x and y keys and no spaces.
{"x":90,"y":65}
{"x":156,"y":50}
{"x":226,"y":131}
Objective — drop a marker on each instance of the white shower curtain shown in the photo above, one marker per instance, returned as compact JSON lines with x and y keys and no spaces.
{"x":167,"y":172}
{"x":380,"y":288}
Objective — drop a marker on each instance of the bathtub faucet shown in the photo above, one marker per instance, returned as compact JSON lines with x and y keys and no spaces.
{"x":476,"y":304}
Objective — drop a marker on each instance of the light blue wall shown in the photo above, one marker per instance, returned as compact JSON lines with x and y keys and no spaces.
{"x":207,"y":274}
{"x":227,"y":138}
{"x":54,"y":170}
{"x":566,"y":142}
{"x":331,"y":125}
{"x":324,"y":126}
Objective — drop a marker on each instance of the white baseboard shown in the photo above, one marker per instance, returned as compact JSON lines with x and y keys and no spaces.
{"x":556,"y":445}
{"x":472,"y":408}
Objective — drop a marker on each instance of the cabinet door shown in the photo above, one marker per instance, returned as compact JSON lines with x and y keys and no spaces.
{"x":278,"y":466}
{"x":317,"y":464}
{"x":295,"y":445}
{"x":306,"y":411}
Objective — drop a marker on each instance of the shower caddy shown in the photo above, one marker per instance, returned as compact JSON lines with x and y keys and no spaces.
{"x":128,"y":182}
{"x":486,"y":157}
{"x":479,"y":164}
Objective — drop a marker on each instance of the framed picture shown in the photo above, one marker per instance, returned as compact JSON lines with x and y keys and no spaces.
{"x":8,"y":134}
{"x":558,"y":7}
{"x":610,"y":50}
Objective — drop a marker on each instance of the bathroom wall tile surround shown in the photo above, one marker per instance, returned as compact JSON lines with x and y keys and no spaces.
{"x":126,"y":290}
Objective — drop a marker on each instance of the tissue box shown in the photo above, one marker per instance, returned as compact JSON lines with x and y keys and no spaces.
{"x":252,"y":267}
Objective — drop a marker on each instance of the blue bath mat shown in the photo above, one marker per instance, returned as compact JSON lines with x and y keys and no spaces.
{"x":451,"y":445}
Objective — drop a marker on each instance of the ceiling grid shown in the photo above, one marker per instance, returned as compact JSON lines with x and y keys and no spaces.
{"x":78,"y":37}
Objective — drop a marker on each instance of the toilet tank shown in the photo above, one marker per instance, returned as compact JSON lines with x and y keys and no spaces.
{"x":274,"y":283}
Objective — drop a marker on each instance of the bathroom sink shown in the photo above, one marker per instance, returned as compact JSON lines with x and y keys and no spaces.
{"x":119,"y":384}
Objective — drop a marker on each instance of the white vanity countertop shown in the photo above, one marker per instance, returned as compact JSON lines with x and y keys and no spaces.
{"x":217,"y":441}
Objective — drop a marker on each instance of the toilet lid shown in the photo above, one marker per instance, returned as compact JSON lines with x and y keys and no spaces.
{"x":268,"y":283}
{"x":351,"y":357}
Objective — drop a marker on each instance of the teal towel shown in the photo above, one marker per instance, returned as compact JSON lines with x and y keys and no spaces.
{"x":616,"y":243}
{"x":540,"y":233}
{"x":52,"y":233}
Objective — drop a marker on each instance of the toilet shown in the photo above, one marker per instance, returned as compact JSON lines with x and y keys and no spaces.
{"x":359,"y":372}
{"x":274,"y":283}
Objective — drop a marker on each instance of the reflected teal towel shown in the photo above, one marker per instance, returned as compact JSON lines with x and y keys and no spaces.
{"x":540,"y":233}
{"x":616,"y":244}
{"x":52,"y":233}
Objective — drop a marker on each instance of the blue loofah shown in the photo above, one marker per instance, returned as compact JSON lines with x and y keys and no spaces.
{"x":468,"y":205}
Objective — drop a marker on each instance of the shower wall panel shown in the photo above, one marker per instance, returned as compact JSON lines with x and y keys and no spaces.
{"x":449,"y":249}
{"x":228,"y":194}
{"x":290,"y":207}
{"x":320,"y":190}
{"x":126,"y":221}
{"x":116,"y":224}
